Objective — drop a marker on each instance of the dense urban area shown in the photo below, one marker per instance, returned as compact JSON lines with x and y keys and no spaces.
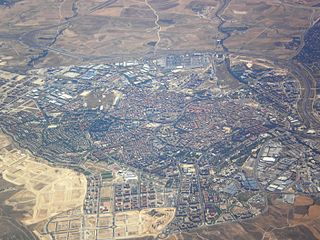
{"x":164,"y":144}
{"x":177,"y":135}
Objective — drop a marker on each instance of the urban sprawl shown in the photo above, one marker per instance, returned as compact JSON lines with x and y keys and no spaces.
{"x":168,"y":132}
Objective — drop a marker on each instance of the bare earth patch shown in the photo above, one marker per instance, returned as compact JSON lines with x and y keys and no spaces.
{"x":47,"y":190}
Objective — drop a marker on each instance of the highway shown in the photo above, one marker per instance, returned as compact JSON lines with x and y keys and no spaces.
{"x":306,"y":80}
{"x":307,"y":94}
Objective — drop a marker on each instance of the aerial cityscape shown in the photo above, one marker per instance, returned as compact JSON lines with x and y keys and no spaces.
{"x":159,"y":119}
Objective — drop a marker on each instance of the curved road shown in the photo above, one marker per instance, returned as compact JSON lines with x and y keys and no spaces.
{"x":307,"y":81}
{"x":308,"y":93}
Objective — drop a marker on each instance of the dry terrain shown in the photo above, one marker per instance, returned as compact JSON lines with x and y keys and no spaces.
{"x":10,"y":227}
{"x":282,"y":221}
{"x":35,"y":33}
{"x":62,"y":32}
{"x":268,"y":27}
{"x":56,"y":32}
{"x":121,"y":225}
{"x":45,"y":190}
